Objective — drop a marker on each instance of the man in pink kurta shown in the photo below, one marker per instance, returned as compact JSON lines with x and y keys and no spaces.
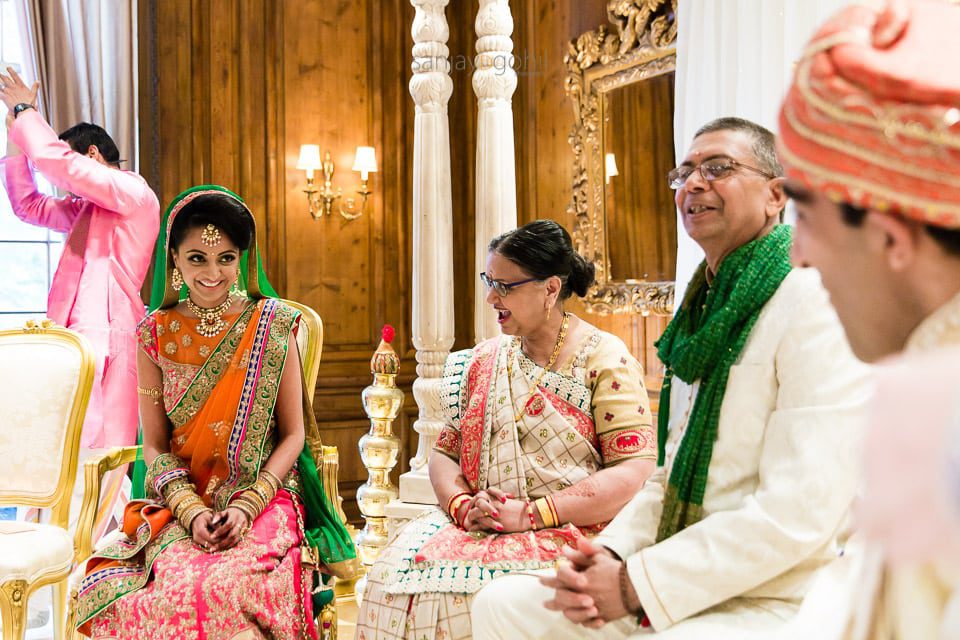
{"x":112,"y":218}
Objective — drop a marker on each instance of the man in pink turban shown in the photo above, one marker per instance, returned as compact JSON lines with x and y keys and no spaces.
{"x":870,"y":141}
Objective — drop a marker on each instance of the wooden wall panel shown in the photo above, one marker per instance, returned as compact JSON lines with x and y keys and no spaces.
{"x":230,"y":89}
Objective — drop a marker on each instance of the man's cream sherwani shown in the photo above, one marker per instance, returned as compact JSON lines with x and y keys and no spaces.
{"x":859,"y":598}
{"x":780,"y":485}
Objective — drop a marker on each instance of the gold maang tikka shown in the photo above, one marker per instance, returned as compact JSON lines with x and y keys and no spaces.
{"x":210,"y":236}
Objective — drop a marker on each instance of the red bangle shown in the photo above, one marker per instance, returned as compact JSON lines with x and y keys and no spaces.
{"x":533,"y":519}
{"x":452,"y":499}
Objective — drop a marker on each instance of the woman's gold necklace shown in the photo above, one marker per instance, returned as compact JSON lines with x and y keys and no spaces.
{"x":552,"y":361}
{"x":211,"y":320}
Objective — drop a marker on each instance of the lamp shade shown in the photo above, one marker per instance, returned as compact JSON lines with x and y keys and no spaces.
{"x":366,"y":160}
{"x":610,"y":166}
{"x":309,"y":157}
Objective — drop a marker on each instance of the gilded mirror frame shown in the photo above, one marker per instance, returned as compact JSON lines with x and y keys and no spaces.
{"x":644,"y":46}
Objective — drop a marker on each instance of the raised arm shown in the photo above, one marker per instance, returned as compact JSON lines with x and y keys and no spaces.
{"x":112,"y":189}
{"x":31,"y":206}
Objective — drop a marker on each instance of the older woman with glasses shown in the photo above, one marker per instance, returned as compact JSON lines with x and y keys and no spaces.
{"x":549,"y":434}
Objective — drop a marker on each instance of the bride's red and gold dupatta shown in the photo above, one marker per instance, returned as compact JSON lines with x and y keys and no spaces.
{"x":219,"y":395}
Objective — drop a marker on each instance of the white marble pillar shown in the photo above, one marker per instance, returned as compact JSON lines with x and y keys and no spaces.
{"x":494,"y":81}
{"x":433,"y":324}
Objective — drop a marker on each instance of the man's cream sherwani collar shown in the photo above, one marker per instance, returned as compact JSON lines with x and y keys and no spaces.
{"x":940,"y":328}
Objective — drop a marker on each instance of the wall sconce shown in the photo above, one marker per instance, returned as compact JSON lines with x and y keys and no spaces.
{"x":610,"y":166}
{"x":322,"y":199}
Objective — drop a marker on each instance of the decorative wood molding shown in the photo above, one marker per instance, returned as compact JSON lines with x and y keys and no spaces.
{"x":643,"y":46}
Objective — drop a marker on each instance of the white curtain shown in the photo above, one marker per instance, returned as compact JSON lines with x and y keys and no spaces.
{"x":84,"y":53}
{"x":735,"y":58}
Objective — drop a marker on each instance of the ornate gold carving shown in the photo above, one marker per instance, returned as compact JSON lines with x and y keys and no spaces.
{"x":32,"y":326}
{"x":598,"y":62}
{"x":13,"y":601}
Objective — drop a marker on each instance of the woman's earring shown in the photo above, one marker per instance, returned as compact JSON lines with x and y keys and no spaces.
{"x":176,"y":280}
{"x":549,"y":309}
{"x":235,"y":289}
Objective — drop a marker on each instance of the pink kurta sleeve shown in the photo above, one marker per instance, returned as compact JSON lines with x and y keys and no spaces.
{"x":29,"y":204}
{"x":111,"y":189}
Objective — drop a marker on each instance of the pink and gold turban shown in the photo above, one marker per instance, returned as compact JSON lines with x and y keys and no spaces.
{"x":873,"y":115}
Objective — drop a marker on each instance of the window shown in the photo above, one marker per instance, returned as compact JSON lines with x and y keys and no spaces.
{"x":28,"y":254}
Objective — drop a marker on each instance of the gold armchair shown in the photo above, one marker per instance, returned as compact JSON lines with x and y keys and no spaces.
{"x":310,"y":346}
{"x":45,"y":384}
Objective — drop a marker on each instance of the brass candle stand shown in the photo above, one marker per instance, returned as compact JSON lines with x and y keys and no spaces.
{"x":379,"y":450}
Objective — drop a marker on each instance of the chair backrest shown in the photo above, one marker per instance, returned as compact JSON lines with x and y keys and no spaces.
{"x":46,"y":374}
{"x":310,"y":343}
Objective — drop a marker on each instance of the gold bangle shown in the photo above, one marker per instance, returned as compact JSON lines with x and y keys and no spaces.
{"x":267,"y":489}
{"x":185,"y":507}
{"x":191,"y":514}
{"x":152,"y":392}
{"x":179,"y":495}
{"x":274,"y":481}
{"x":185,"y":503}
{"x":458,"y":502}
{"x":244,"y":508}
{"x":248,"y":507}
{"x":255,"y":499}
{"x":543,"y":508}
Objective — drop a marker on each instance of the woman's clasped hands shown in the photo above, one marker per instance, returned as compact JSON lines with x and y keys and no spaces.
{"x":218,"y":531}
{"x":495,"y":511}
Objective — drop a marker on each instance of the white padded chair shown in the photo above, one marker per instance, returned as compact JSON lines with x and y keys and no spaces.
{"x":46,"y":373}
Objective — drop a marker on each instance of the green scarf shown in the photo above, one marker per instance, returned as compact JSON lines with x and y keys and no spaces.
{"x":702,"y":342}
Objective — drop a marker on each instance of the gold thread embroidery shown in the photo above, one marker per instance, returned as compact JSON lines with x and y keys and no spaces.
{"x":934,"y":209}
{"x":861,"y":153}
{"x":889,"y":126}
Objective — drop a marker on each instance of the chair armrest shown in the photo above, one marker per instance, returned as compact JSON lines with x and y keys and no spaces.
{"x":93,"y":472}
{"x":330,"y":473}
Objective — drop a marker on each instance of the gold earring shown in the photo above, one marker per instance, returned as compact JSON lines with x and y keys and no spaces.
{"x":549,"y":309}
{"x":235,"y":289}
{"x":176,"y":280}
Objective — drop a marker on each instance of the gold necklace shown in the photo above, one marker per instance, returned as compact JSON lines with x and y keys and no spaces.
{"x":211,"y":321}
{"x":552,"y":361}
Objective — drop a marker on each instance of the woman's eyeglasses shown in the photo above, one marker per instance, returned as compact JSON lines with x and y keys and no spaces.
{"x":503,"y":288}
{"x":710,"y":170}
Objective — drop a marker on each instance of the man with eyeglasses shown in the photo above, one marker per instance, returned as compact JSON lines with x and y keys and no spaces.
{"x":870,"y":137}
{"x":755,"y":436}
